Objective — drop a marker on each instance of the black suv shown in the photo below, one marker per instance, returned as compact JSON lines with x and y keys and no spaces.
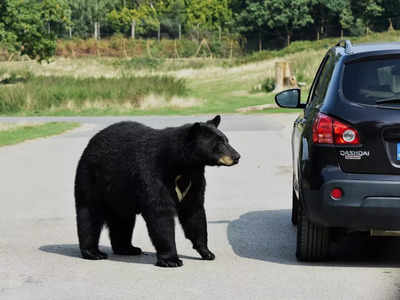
{"x":346,"y":147}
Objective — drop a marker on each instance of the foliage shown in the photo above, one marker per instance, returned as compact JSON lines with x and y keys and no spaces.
{"x":209,"y":15}
{"x":23,"y":25}
{"x":268,"y":85}
{"x":31,"y":26}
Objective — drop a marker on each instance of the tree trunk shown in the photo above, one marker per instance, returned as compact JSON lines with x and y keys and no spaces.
{"x":159,"y":32}
{"x":283,"y":76}
{"x":259,"y":42}
{"x":180,"y":31}
{"x":288,"y":40}
{"x":390,"y":25}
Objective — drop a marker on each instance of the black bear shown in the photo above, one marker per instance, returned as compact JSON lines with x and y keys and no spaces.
{"x":128,"y":169}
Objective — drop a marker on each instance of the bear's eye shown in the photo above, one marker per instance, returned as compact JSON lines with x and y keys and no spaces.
{"x":219,"y":146}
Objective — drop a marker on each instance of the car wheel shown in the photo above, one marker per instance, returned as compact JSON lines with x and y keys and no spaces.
{"x":312,"y":240}
{"x":295,"y":208}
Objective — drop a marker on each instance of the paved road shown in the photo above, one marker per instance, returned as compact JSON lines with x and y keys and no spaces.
{"x":248,"y":220}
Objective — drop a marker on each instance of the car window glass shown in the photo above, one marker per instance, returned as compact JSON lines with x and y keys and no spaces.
{"x":323,"y":82}
{"x":316,"y":79}
{"x":370,"y":81}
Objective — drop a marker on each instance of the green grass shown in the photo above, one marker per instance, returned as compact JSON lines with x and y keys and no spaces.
{"x":51,"y":93}
{"x":28,"y":132}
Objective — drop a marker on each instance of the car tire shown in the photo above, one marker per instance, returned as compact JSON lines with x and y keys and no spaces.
{"x":295,"y":208}
{"x":312,"y":240}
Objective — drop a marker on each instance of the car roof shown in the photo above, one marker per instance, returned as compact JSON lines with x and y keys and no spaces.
{"x":372,"y":47}
{"x":354,"y":52}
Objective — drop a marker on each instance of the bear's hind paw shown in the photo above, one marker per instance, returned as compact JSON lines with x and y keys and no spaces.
{"x":93,"y":254}
{"x":169,"y":263}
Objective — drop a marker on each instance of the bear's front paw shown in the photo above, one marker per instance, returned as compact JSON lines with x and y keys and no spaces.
{"x":169,"y":262}
{"x":127,"y":251}
{"x":93,"y":254}
{"x":206,"y":254}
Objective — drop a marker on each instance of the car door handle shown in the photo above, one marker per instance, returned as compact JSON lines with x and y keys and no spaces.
{"x":301,"y":122}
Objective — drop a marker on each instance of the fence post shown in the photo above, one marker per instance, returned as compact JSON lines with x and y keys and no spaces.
{"x":133,"y":25}
{"x":96,"y":30}
{"x":180,"y":31}
{"x":219,"y":32}
{"x":231,"y":54}
{"x":70,"y":32}
{"x":159,"y":32}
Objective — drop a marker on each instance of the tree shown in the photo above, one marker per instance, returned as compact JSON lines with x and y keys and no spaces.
{"x":252,"y":19}
{"x":287,"y":15}
{"x":23,"y":27}
{"x":210,"y":15}
{"x":146,"y":15}
{"x":331,"y":13}
{"x":366,"y":13}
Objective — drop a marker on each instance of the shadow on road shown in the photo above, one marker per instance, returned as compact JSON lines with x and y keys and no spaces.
{"x":269,"y":236}
{"x":72,"y":250}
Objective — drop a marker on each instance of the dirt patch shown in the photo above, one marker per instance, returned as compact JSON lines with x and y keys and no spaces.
{"x":256,"y":107}
{"x":154,"y":101}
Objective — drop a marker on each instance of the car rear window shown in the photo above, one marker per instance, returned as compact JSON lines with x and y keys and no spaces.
{"x":372,"y":80}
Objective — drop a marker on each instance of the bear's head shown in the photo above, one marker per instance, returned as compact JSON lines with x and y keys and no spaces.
{"x":210,"y":146}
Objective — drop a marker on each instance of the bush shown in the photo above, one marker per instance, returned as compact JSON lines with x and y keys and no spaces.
{"x":268,"y":85}
{"x":139,"y":63}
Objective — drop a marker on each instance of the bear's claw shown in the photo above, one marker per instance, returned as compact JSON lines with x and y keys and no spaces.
{"x":93,"y":254}
{"x":169,"y":263}
{"x":131,"y":250}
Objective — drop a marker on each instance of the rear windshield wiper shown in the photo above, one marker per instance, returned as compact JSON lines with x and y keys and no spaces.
{"x":388,"y":100}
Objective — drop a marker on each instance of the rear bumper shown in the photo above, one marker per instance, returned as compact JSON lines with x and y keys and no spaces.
{"x":368,"y":202}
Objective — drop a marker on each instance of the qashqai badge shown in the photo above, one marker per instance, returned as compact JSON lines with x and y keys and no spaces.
{"x":349,"y":154}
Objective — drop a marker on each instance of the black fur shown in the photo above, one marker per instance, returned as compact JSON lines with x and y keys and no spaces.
{"x":130,"y":169}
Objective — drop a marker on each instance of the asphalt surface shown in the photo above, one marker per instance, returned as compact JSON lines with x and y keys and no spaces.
{"x":248,"y":208}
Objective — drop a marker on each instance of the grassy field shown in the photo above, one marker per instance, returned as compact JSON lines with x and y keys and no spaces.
{"x":11,"y":134}
{"x":26,"y":92}
{"x":200,"y":85}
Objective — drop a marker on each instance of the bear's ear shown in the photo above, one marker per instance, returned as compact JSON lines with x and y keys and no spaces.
{"x":215,"y":122}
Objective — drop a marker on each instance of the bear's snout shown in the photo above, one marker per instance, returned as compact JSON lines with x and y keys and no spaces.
{"x":236,"y":158}
{"x":228,"y":160}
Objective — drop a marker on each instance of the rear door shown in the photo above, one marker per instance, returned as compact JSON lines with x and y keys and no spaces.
{"x":300,"y":122}
{"x":370,"y":103}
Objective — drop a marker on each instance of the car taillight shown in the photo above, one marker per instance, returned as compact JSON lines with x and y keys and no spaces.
{"x":327,"y":130}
